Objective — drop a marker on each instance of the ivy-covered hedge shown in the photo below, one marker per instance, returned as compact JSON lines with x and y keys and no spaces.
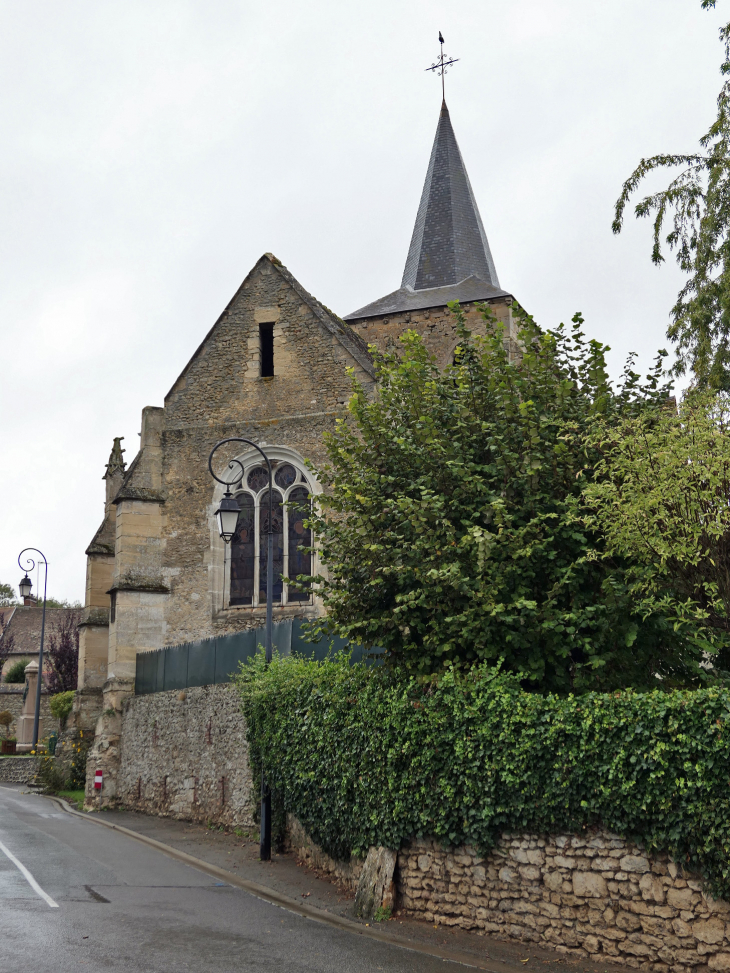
{"x":372,"y":757}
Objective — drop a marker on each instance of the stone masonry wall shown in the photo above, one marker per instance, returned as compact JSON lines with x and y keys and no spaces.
{"x":342,"y":873}
{"x":18,"y":770}
{"x":184,"y":755}
{"x":595,"y":895}
{"x":436,"y":325}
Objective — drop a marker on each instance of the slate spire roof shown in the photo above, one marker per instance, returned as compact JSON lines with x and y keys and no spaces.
{"x":449,"y":257}
{"x":449,"y":243}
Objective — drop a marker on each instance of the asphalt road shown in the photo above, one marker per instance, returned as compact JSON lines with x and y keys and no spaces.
{"x":74,"y":895}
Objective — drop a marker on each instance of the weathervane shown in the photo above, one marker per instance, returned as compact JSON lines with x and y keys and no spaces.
{"x":440,"y":65}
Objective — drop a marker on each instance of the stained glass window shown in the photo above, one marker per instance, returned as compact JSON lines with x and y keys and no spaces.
{"x":243,"y":553}
{"x":278,"y":523}
{"x":285,"y":475}
{"x":258,"y":478}
{"x":300,"y":562}
{"x":249,"y":545}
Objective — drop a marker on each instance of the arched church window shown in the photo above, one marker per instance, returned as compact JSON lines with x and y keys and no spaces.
{"x":277,"y":512}
{"x":249,"y":545}
{"x":243,"y":553}
{"x":300,"y":562}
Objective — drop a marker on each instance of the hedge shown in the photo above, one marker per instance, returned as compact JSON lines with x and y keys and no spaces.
{"x":373,"y":757}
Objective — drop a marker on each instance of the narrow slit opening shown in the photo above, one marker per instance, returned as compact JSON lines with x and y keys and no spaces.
{"x":266,"y":339}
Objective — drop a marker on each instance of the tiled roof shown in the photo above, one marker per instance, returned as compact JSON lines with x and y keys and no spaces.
{"x":449,"y":256}
{"x":25,"y":624}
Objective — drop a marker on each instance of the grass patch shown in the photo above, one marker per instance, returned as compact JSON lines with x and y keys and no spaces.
{"x":73,"y":797}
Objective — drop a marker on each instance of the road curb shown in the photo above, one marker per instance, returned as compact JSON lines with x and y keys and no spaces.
{"x":291,"y":905}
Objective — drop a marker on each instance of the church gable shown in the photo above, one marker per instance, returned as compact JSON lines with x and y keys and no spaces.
{"x":274,"y":351}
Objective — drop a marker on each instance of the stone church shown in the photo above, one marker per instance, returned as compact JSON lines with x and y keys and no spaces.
{"x":273,"y":368}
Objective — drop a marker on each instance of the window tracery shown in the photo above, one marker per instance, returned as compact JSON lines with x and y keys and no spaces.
{"x":249,"y":545}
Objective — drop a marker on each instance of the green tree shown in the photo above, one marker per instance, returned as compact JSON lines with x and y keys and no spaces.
{"x":16,"y":671}
{"x":7,"y":595}
{"x":699,"y":198}
{"x":60,"y":603}
{"x":61,"y":704}
{"x":660,"y":501}
{"x":451,"y":525}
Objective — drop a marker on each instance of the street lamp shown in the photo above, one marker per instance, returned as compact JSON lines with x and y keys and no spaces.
{"x":25,"y":587}
{"x":227,"y":517}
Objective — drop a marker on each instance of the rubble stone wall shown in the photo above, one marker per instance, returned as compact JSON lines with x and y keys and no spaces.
{"x":436,"y":325}
{"x":342,"y":873}
{"x":18,"y":770}
{"x":184,"y":755}
{"x":595,"y":895}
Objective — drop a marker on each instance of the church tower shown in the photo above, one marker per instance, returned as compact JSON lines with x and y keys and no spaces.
{"x":449,"y":259}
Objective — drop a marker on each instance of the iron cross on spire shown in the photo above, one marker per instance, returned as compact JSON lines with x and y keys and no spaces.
{"x":439,"y":66}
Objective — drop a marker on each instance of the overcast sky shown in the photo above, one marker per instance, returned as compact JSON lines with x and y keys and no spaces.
{"x":151,"y":152}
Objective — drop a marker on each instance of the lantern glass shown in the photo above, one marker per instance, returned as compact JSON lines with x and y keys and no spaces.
{"x":25,"y":587}
{"x":227,"y":517}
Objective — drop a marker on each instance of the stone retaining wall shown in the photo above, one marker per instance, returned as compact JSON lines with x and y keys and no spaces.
{"x":343,"y":873}
{"x":184,"y":755}
{"x":18,"y":770}
{"x":594,"y":895}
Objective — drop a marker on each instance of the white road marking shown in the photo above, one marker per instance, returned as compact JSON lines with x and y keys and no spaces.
{"x":28,"y":877}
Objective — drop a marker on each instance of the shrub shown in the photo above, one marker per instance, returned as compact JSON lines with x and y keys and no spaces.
{"x":16,"y":672}
{"x":6,"y":718}
{"x":71,"y":755}
{"x":374,"y":756}
{"x":76,"y":752}
{"x":50,"y":776}
{"x":61,"y":705}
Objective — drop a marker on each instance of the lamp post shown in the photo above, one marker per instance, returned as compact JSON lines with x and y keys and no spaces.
{"x":227,"y":517}
{"x":24,"y":588}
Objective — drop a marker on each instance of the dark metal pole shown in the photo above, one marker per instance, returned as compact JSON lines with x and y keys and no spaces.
{"x":30,"y":564}
{"x":265,"y":837}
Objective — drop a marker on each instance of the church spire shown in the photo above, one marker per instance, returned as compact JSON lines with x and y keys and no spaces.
{"x":448,"y":243}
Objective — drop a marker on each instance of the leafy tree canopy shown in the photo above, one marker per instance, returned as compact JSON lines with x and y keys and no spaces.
{"x":61,"y":704}
{"x":60,"y":603}
{"x":16,"y":672}
{"x":699,"y":199}
{"x":452,"y":528}
{"x":660,"y":501}
{"x":63,"y":652}
{"x":7,"y":595}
